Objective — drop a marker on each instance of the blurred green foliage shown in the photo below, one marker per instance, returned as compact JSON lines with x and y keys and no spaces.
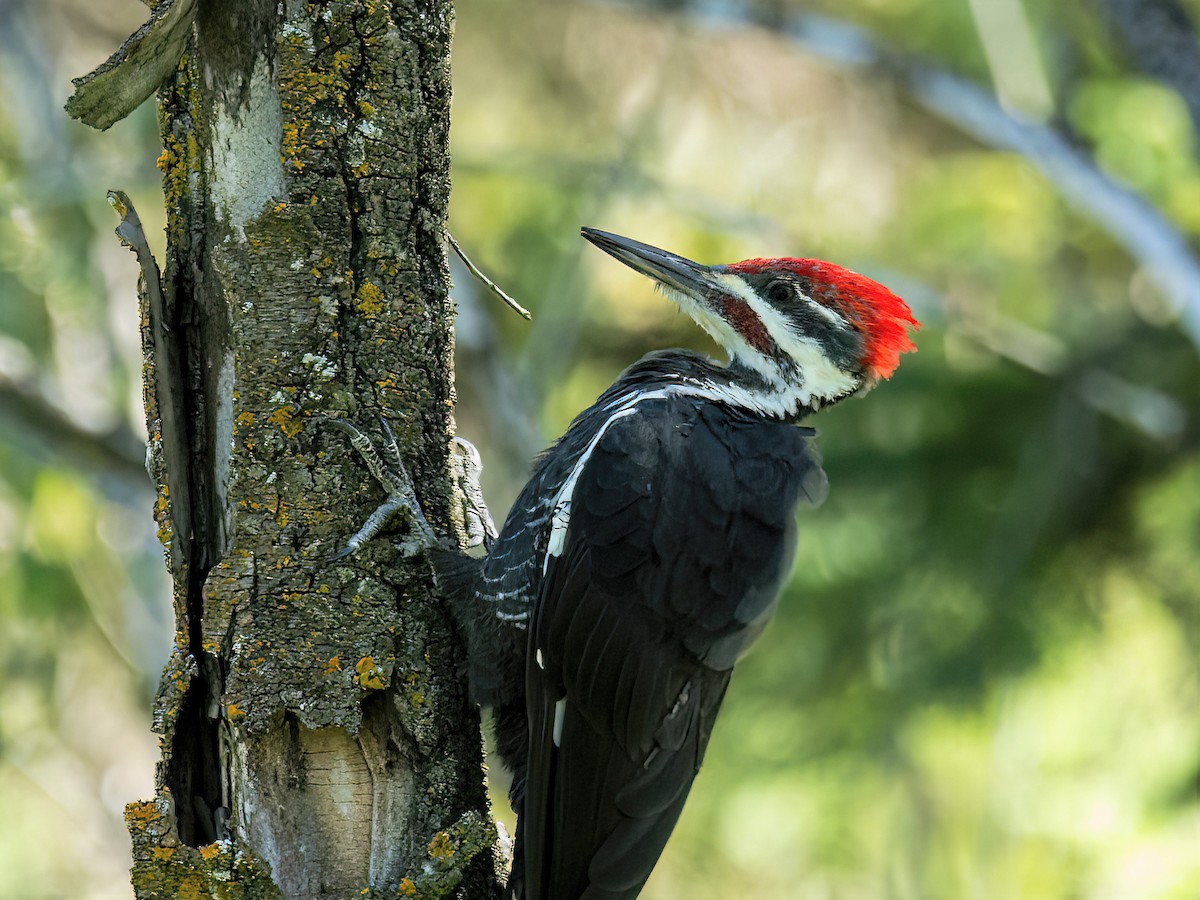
{"x":984,"y":679}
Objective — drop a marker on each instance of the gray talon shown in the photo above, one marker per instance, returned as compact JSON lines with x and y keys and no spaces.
{"x":389,"y":470}
{"x":402,"y":495}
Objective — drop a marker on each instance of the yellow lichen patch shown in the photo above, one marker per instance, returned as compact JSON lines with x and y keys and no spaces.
{"x":193,"y":152}
{"x":406,"y":887}
{"x":282,"y":517}
{"x":162,"y":515}
{"x":441,"y":847}
{"x":245,"y":419}
{"x":233,"y":712}
{"x":162,"y":854}
{"x":191,"y":888}
{"x":285,"y":419}
{"x":369,"y":299}
{"x":390,"y":268}
{"x":141,"y":813}
{"x":343,"y":61}
{"x":334,"y":664}
{"x":319,"y":268}
{"x":369,"y":675}
{"x":210,"y":851}
{"x":294,"y":133}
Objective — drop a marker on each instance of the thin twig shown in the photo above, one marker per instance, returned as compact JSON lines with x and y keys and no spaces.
{"x":492,"y":286}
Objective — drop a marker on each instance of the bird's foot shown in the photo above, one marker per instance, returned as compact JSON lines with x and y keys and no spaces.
{"x":390,"y":472}
{"x":466,"y":467}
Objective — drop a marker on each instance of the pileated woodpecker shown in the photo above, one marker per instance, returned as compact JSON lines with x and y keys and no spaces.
{"x":646,"y":553}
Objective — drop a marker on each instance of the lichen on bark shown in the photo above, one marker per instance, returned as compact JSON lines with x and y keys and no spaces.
{"x":317,"y":736}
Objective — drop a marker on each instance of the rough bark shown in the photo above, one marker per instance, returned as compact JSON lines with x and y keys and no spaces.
{"x":317,"y":738}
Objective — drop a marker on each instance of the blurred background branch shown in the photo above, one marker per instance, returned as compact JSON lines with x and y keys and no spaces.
{"x":1159,"y":38}
{"x":46,"y":431}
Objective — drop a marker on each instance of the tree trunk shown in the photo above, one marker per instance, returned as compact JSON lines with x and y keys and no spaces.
{"x":317,"y":737}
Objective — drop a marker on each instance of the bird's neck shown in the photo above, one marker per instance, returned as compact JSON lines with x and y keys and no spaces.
{"x":683,"y":373}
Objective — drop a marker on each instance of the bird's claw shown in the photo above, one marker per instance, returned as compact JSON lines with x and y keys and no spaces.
{"x":402,"y":495}
{"x":389,"y":470}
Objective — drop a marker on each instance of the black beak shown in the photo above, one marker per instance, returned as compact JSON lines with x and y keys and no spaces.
{"x":674,"y":271}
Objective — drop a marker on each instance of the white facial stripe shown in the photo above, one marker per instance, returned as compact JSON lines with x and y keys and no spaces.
{"x":825,"y":312}
{"x":768,"y":313}
{"x":724,"y":333}
{"x":776,"y":324}
{"x":821,"y":379}
{"x":560,"y":709}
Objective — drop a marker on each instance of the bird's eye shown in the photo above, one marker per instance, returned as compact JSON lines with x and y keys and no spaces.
{"x":780,"y":292}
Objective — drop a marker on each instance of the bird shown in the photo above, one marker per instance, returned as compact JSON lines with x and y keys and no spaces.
{"x":646,"y":553}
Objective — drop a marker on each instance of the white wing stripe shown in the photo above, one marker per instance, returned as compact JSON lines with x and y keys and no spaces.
{"x":562,"y":500}
{"x":560,"y":709}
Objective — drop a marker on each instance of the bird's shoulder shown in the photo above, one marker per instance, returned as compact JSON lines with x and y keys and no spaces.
{"x":694,"y":466}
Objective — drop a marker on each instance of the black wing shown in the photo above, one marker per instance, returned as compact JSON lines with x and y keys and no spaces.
{"x":681,"y":528}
